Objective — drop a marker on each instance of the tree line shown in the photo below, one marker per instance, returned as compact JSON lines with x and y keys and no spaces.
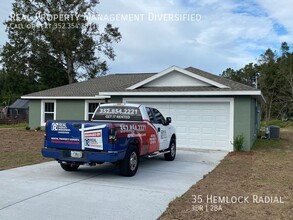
{"x":273,"y":75}
{"x":51,"y":43}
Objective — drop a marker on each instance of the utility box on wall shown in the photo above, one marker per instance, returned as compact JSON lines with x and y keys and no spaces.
{"x":273,"y":132}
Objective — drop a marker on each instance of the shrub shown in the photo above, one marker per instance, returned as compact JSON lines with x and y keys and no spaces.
{"x":27,"y":128}
{"x":238,"y":142}
{"x":38,"y":128}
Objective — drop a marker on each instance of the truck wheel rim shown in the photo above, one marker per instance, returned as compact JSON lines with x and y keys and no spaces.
{"x":173,"y":150}
{"x":133,"y":161}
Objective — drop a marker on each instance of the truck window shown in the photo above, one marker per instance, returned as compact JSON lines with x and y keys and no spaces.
{"x":159,"y":118}
{"x":150,"y":114}
{"x":118,"y":113}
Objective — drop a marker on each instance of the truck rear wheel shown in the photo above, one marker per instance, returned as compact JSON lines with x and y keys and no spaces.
{"x":129,"y":165}
{"x":172,"y":154}
{"x":69,"y":166}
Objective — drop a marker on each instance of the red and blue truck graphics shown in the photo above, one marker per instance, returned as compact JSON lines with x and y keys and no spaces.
{"x":118,"y":133}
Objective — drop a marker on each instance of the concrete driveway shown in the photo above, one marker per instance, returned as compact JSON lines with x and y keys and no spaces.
{"x":45,"y":191}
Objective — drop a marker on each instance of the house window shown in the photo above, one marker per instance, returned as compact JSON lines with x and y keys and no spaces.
{"x":90,"y":107}
{"x":48,"y":111}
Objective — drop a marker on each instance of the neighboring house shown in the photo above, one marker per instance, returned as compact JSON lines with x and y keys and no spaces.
{"x":207,"y":111}
{"x":19,"y":109}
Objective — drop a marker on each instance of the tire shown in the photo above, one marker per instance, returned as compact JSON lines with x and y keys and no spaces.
{"x":129,"y":165}
{"x":170,"y":156}
{"x":69,"y":166}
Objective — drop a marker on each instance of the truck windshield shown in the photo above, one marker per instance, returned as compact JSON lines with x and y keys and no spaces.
{"x":118,"y":113}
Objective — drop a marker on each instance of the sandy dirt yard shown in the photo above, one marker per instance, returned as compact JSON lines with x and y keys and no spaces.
{"x":19,"y":147}
{"x":246,"y":185}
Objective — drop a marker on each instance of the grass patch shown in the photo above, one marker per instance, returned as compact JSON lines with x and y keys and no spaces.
{"x":20,"y":125}
{"x":266,"y":144}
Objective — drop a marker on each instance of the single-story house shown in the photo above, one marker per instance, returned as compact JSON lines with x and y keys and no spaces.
{"x":207,"y":111}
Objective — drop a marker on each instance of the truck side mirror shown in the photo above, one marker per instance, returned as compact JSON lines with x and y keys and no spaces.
{"x":168,"y":120}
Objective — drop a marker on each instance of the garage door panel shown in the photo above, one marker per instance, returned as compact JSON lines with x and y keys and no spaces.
{"x":207,"y":119}
{"x":221,"y":119}
{"x":194,"y":118}
{"x":181,"y":130}
{"x":181,"y":118}
{"x":195,"y":130}
{"x":221,"y":131}
{"x":207,"y":131}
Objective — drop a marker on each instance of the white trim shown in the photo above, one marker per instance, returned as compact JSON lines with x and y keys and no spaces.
{"x":138,"y":100}
{"x":231,"y":133}
{"x":175,"y":68}
{"x":257,"y":93}
{"x":65,"y":97}
{"x":86,"y":108}
{"x":43,"y":110}
{"x":216,"y":93}
{"x":172,"y":100}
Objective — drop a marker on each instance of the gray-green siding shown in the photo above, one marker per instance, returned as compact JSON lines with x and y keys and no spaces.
{"x":65,"y":110}
{"x":34,"y":113}
{"x":246,"y":120}
{"x":70,"y":109}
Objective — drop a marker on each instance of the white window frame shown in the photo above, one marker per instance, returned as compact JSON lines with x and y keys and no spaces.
{"x":86,"y":108}
{"x":43,"y":123}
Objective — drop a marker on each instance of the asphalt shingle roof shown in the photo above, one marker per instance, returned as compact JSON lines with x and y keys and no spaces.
{"x":92,"y":87}
{"x":227,"y":82}
{"x":20,"y":104}
{"x":119,"y":83}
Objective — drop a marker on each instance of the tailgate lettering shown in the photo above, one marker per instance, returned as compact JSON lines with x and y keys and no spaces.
{"x":60,"y":127}
{"x":65,"y":140}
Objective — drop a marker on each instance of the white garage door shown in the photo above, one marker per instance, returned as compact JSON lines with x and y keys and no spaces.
{"x":200,"y":125}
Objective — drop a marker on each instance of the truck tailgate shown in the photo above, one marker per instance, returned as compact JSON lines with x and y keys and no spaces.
{"x":75,"y":135}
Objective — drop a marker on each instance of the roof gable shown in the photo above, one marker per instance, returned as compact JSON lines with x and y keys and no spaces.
{"x":176,"y":77}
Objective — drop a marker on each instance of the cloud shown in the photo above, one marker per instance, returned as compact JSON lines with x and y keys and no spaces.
{"x":212,"y":44}
{"x":280,"y":11}
{"x":229,"y":34}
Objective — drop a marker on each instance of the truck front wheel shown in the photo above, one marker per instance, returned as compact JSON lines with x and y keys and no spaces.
{"x":129,"y":165}
{"x":172,"y":151}
{"x":69,"y":166}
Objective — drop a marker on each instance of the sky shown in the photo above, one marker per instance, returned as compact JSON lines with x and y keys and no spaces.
{"x":211,"y":35}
